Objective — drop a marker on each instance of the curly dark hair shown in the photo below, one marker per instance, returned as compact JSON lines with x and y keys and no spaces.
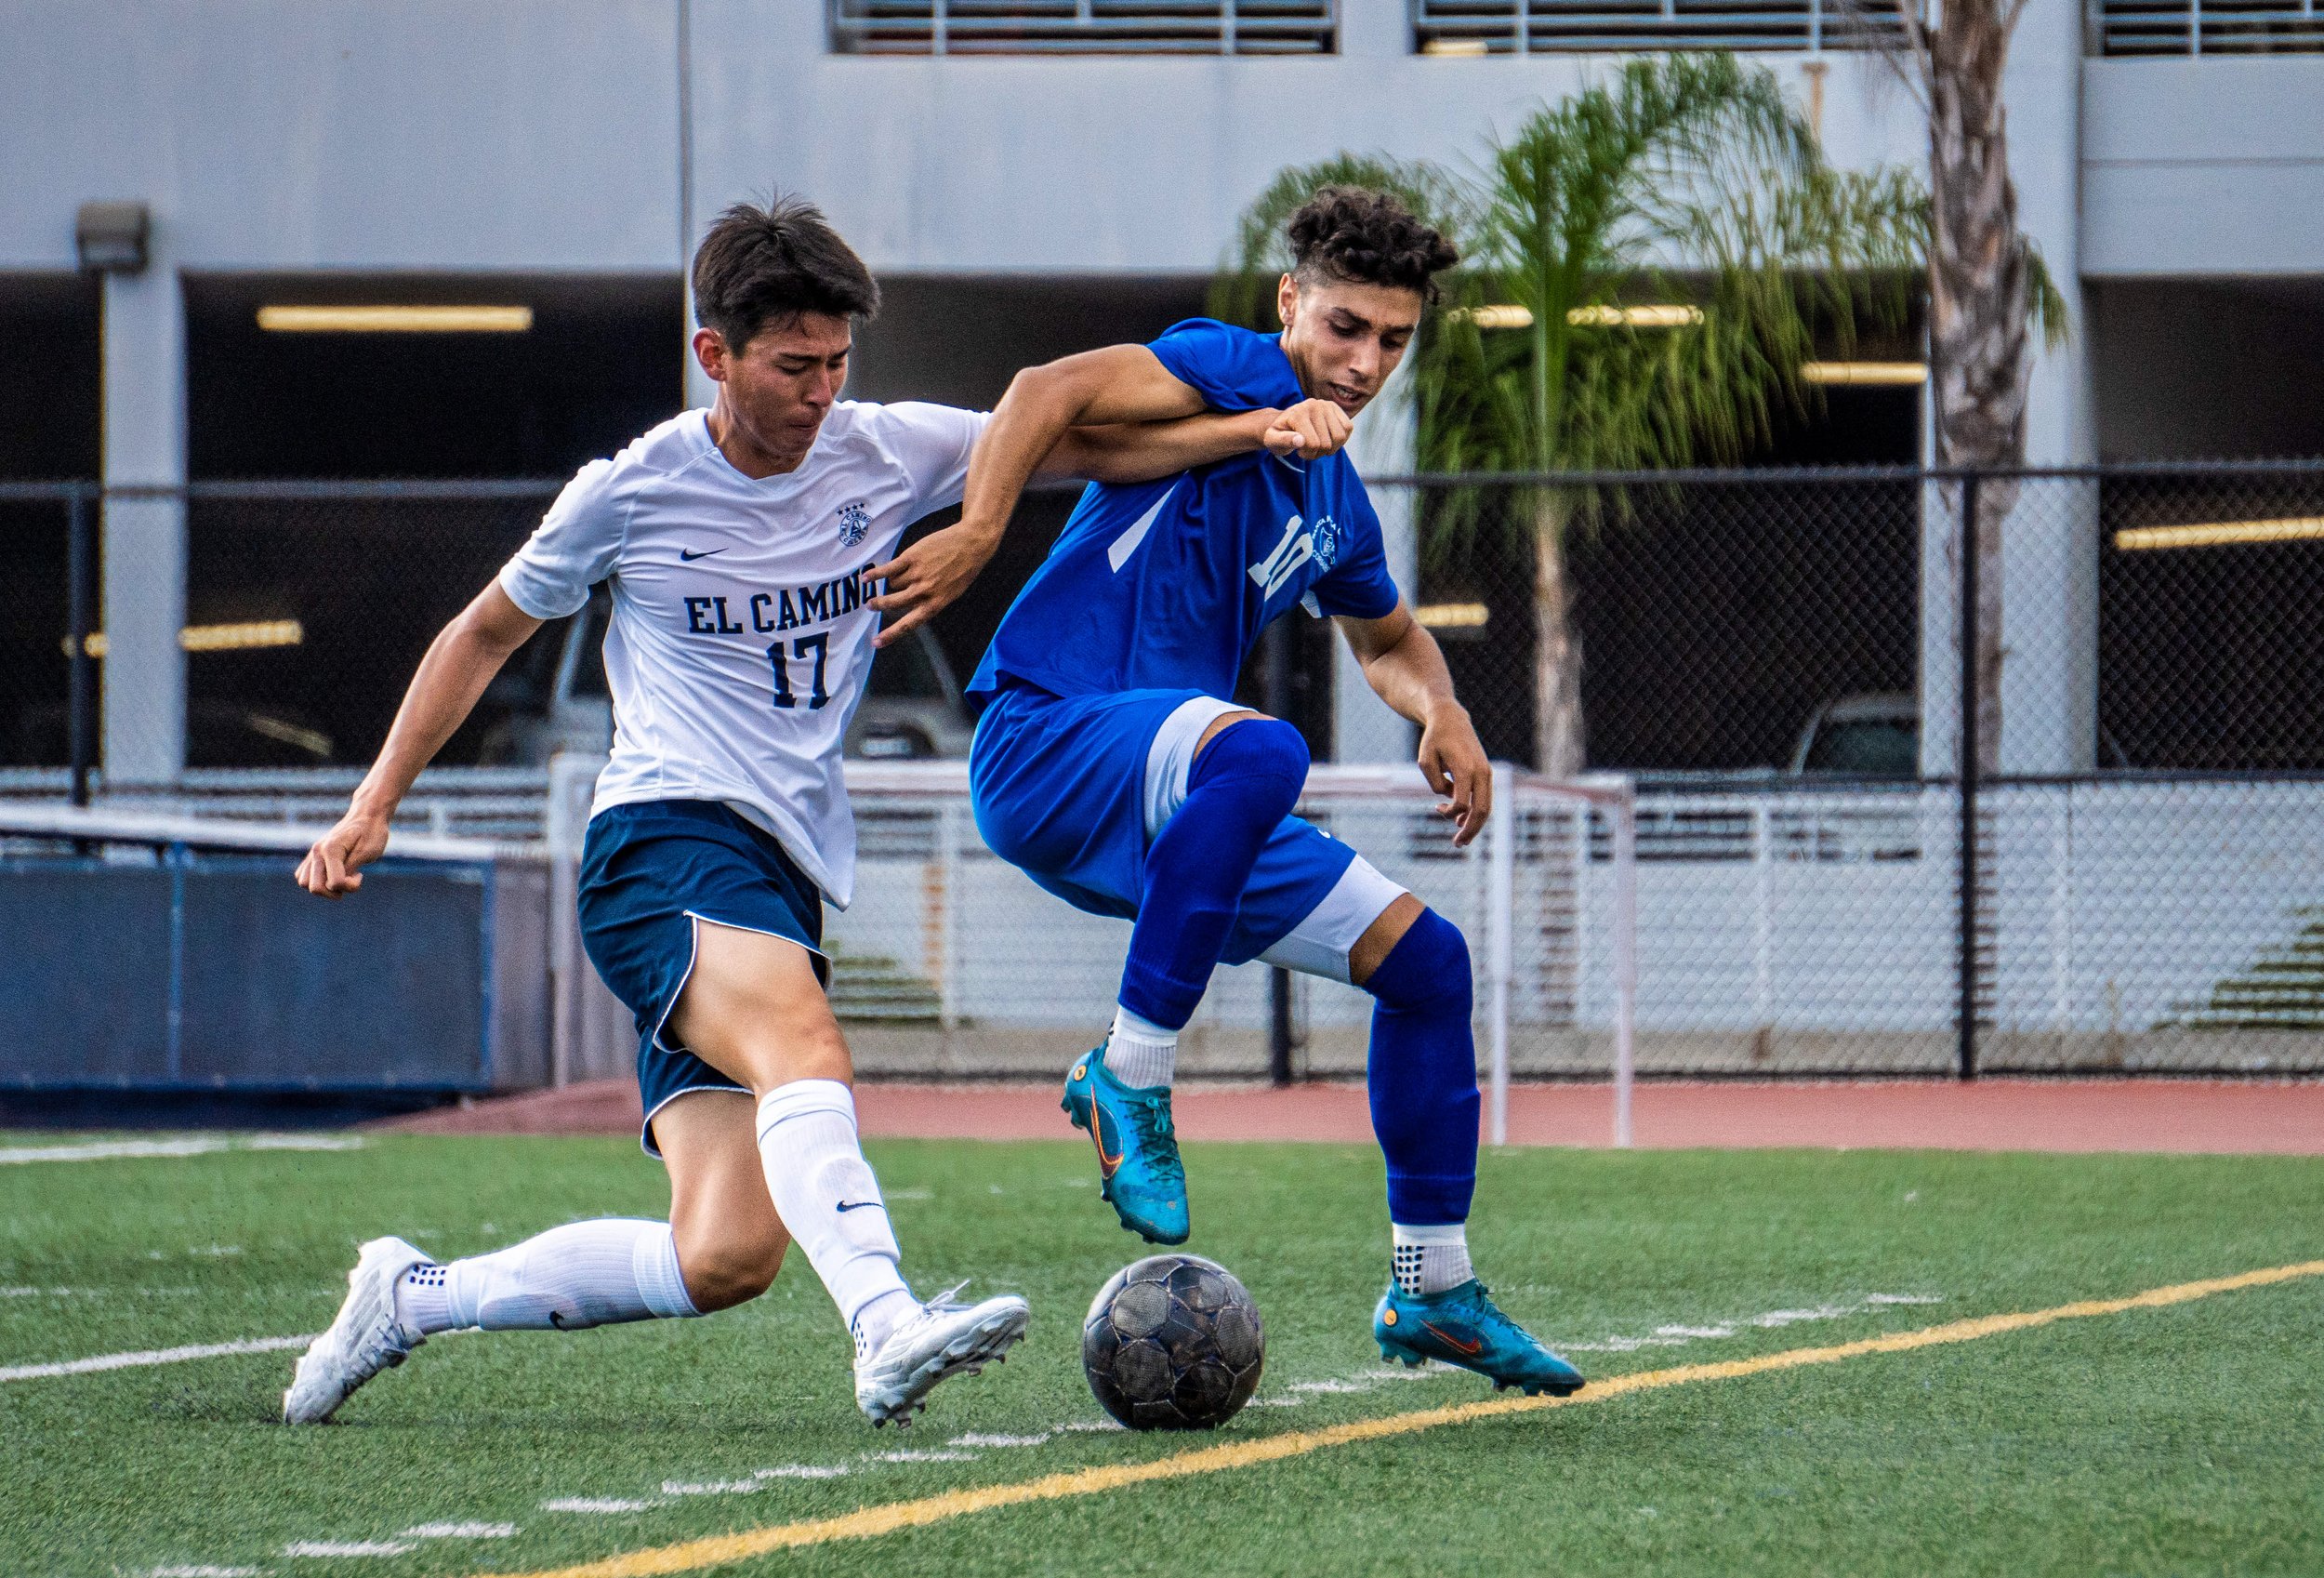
{"x":1366,"y":237}
{"x":761,"y":268}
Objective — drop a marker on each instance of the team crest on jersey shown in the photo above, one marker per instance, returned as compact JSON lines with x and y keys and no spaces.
{"x":1319,"y":542}
{"x":854,"y":525}
{"x":1324,"y":538}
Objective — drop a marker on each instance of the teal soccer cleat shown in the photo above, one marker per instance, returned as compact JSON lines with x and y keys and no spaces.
{"x":1137,"y":1165}
{"x":1461,"y":1326}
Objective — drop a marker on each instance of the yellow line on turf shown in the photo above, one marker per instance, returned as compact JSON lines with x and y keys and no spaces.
{"x":872,"y":1521}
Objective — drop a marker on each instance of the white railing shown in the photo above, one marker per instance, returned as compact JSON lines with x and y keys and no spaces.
{"x":1009,"y":978}
{"x":1523,"y":27}
{"x":1083,"y":27}
{"x":2210,"y":27}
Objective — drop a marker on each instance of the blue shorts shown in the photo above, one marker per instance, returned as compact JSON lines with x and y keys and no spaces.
{"x":649,"y":871}
{"x":1070,"y":789}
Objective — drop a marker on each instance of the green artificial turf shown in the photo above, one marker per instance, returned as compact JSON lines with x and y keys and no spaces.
{"x":2179,"y":1439}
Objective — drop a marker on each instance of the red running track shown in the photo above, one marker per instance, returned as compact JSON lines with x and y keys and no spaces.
{"x":2282,"y":1118}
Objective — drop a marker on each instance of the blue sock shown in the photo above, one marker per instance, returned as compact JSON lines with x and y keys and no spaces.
{"x":1423,"y":1074}
{"x":1242,"y":787}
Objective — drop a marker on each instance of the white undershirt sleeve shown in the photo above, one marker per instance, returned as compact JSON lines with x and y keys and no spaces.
{"x":931,"y":443}
{"x":570,"y":551}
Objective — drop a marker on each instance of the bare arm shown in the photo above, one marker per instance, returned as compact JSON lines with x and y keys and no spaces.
{"x":1136,"y":452}
{"x":1120,"y":383}
{"x":1405,"y":669}
{"x":461,"y":661}
{"x":1135,"y":429}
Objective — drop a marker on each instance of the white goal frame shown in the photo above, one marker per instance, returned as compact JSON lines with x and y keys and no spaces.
{"x":939,"y":785}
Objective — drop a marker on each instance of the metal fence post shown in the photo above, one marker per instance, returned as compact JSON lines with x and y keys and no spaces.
{"x":1276,"y":689}
{"x":564,"y":824}
{"x":80,"y":587}
{"x":949,"y":921}
{"x":1967,"y":1050}
{"x":1500,"y":918}
{"x":1625,"y":960}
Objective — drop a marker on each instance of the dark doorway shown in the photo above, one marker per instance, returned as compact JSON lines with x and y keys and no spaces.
{"x":368,"y":583}
{"x":599,"y":366}
{"x":51,"y":430}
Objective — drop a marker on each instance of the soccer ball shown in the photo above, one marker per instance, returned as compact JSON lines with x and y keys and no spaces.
{"x":1173,"y":1343}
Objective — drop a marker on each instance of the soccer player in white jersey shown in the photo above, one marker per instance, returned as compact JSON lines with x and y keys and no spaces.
{"x":745,"y":546}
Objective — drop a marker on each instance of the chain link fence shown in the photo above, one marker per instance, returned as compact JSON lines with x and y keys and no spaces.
{"x":2111,"y":860}
{"x":2126,"y":880}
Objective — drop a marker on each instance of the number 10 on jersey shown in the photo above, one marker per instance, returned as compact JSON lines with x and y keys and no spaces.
{"x":819,"y":647}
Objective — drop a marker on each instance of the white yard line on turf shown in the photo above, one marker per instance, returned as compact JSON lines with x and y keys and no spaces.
{"x":190,"y":1144}
{"x":152,"y":1356}
{"x":1294,"y":1395}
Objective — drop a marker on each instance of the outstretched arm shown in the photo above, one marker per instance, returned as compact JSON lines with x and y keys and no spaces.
{"x":1137,"y":452}
{"x":461,"y":661}
{"x":1406,"y":667}
{"x":1114,"y":414}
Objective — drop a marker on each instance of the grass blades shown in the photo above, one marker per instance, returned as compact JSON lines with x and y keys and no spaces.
{"x":2153,"y":1440}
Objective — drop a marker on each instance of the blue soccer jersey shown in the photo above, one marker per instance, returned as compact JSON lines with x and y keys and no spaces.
{"x":1167,"y":584}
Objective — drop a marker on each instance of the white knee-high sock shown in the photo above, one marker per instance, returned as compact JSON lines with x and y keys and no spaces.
{"x":826,"y":1195}
{"x":583,"y":1274}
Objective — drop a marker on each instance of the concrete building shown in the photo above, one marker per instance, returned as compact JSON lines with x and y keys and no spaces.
{"x":2170,"y":170}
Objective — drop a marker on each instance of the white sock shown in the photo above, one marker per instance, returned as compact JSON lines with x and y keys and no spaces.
{"x":1140,"y":1052}
{"x":1428,"y":1260}
{"x":826,"y":1195}
{"x":583,"y":1274}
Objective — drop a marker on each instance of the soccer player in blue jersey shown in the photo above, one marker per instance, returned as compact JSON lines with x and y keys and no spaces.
{"x":1110,"y":765}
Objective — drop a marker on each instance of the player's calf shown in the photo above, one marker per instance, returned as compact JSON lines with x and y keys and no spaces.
{"x":569,"y":1279}
{"x":1424,"y":1110}
{"x":1423,"y":1087}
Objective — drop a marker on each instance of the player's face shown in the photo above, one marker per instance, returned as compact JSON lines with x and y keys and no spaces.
{"x":782,"y":385}
{"x":1344,"y":339}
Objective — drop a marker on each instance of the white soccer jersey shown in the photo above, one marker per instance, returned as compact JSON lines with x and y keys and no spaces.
{"x":739,"y":644}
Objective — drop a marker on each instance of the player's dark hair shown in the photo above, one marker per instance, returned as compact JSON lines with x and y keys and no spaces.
{"x":1366,"y":237}
{"x":761,"y":268}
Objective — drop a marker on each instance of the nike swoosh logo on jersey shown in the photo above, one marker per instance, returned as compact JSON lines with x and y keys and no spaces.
{"x":860,"y":1204}
{"x":690,"y":556}
{"x":1118,"y":552}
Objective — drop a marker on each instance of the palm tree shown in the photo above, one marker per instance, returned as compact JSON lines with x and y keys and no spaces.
{"x":1987,"y":289}
{"x":1688,"y":182}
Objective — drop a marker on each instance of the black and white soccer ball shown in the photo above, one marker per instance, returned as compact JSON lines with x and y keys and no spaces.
{"x":1173,"y":1343}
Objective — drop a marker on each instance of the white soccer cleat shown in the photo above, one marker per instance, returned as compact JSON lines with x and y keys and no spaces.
{"x":364,"y":1340}
{"x":943,"y":1340}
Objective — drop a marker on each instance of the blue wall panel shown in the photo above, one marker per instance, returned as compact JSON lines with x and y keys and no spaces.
{"x":83,"y":973}
{"x":217,"y":972}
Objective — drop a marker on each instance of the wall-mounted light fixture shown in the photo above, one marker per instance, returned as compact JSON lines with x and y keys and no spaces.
{"x":1653,"y":315}
{"x":109,"y":237}
{"x":1453,"y":616}
{"x":1891,"y":373}
{"x":395,"y":320}
{"x":2221,"y":534}
{"x":247,"y":636}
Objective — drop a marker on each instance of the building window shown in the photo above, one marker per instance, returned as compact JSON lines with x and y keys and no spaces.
{"x":1084,"y":27}
{"x":2190,"y":27}
{"x":1521,"y":27}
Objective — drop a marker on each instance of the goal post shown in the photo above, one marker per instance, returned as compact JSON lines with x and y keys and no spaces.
{"x":1547,"y":896}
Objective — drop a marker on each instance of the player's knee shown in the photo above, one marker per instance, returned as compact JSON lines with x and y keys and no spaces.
{"x":1264,"y":759}
{"x":721,"y":1272}
{"x":1428,"y":969}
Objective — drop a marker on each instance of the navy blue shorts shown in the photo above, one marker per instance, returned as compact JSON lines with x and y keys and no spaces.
{"x":649,"y":871}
